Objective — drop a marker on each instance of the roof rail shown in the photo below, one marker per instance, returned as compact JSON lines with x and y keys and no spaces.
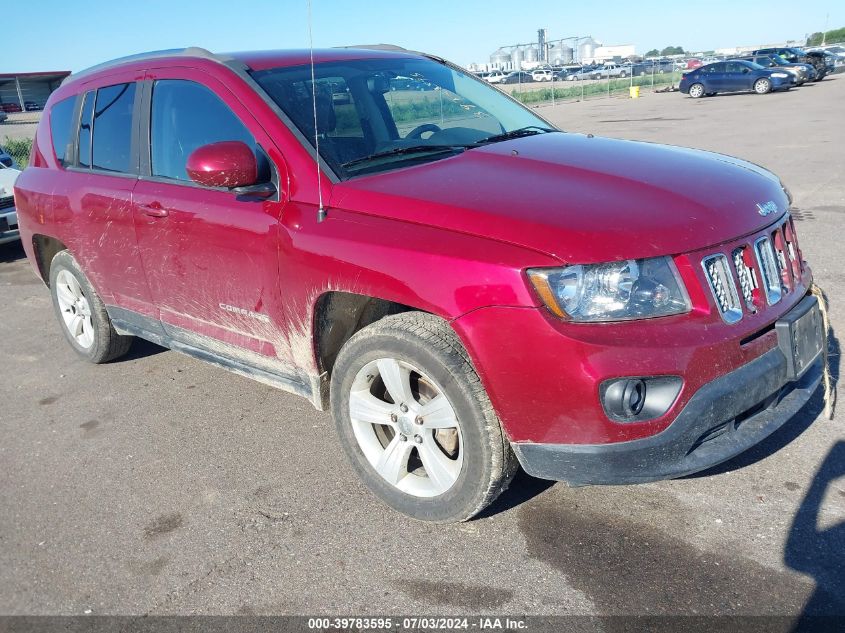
{"x":191,"y":51}
{"x":395,"y":48}
{"x":377,"y":47}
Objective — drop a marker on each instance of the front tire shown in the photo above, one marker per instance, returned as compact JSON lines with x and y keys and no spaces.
{"x":696,"y":91}
{"x":416,"y":422}
{"x":82,"y":314}
{"x":762,"y":86}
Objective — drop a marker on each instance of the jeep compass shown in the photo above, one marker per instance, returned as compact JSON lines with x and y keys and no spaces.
{"x":463,"y":286}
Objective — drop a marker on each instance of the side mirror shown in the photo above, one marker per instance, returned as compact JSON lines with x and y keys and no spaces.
{"x":229,"y":164}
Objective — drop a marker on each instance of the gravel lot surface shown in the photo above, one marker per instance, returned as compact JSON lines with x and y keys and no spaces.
{"x":161,"y":485}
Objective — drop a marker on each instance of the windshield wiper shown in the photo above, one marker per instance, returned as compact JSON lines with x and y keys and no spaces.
{"x":399,"y":151}
{"x":530,"y":130}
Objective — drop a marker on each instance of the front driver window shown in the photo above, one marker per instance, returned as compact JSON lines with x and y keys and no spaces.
{"x":186,"y":116}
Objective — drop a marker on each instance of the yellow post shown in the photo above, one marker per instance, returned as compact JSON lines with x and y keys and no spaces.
{"x":634,"y":91}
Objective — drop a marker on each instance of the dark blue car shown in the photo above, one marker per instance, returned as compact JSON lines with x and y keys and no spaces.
{"x":733,"y":76}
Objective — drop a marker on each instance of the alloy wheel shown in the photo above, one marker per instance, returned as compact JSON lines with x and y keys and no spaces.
{"x":406,"y":427}
{"x":75,"y":309}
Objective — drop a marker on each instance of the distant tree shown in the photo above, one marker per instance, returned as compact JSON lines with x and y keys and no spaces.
{"x":653,"y":53}
{"x":673,"y":50}
{"x":830,"y":37}
{"x":835,"y":36}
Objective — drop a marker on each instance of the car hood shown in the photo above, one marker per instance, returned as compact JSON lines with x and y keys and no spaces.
{"x":579,"y":198}
{"x":8,"y":177}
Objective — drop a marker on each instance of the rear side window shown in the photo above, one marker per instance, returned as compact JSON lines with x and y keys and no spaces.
{"x":61,"y":115}
{"x":186,"y":116}
{"x":112,"y":145}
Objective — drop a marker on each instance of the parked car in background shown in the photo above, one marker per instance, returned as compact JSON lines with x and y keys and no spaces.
{"x":798,"y":55}
{"x":8,"y":216}
{"x":32,"y":106}
{"x":586,"y":72}
{"x":834,"y":61}
{"x":10,"y":107}
{"x":611,"y":70}
{"x":564,"y":73}
{"x":518,"y":77}
{"x":3,"y":116}
{"x":495,"y":76}
{"x":801,"y":73}
{"x":692,"y":64}
{"x":733,"y":76}
{"x":6,"y":160}
{"x":652,"y":67}
{"x":542,"y":74}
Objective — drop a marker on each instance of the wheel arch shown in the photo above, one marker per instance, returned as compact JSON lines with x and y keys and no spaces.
{"x":339,"y":315}
{"x":45,"y":248}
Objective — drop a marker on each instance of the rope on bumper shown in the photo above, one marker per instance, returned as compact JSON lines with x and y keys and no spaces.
{"x":827,"y":378}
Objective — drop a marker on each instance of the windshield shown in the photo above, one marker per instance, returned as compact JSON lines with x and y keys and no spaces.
{"x":382,"y":114}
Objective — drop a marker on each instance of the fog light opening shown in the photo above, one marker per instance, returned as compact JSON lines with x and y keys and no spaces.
{"x":639,"y":398}
{"x":633,"y":397}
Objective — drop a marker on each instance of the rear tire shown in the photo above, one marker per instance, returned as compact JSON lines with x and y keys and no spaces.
{"x":696,"y":91}
{"x":416,"y":358}
{"x":762,"y":86}
{"x":82,"y":314}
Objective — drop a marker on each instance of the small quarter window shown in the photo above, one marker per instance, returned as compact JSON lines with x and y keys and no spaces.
{"x":61,"y":115}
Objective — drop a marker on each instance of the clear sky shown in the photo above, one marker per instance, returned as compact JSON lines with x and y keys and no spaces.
{"x":73,"y":34}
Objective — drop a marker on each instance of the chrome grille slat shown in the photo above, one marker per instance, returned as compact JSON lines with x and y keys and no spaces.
{"x":722,"y":284}
{"x":772,"y":280}
{"x":747,"y":278}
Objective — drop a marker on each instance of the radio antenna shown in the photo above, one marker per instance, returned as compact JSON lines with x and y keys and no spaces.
{"x":321,"y":211}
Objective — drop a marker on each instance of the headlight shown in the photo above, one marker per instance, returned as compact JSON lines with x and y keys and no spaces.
{"x":780,"y":75}
{"x":618,"y":291}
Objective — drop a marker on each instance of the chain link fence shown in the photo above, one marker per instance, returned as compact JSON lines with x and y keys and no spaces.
{"x":550,"y":92}
{"x":18,"y":149}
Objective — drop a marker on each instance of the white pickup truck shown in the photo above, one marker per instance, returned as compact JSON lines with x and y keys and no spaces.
{"x":611,"y":70}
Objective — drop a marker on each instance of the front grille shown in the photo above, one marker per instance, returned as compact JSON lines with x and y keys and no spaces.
{"x":758,"y":273}
{"x":7,"y":203}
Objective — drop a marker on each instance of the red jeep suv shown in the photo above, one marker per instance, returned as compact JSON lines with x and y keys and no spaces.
{"x":465,"y":287}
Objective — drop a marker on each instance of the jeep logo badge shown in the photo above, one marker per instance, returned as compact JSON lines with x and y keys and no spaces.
{"x":767,"y":208}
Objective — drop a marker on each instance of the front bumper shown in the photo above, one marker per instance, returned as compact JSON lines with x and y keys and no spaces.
{"x":722,"y":419}
{"x":9,"y":226}
{"x":781,"y":83}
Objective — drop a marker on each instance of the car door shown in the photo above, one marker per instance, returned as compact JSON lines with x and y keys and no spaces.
{"x":711,"y":76}
{"x":210,"y":254}
{"x":733,"y":78}
{"x":92,"y":195}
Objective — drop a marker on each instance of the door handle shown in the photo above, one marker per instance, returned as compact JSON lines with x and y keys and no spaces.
{"x":154,"y":210}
